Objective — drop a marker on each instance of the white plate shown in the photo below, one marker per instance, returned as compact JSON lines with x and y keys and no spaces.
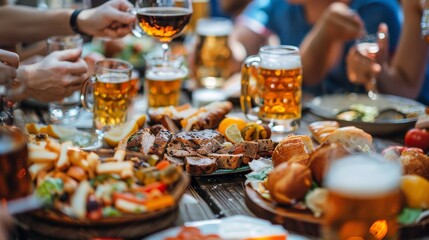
{"x":329,"y":106}
{"x":210,"y":227}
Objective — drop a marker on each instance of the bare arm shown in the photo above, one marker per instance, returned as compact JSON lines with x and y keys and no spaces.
{"x":244,"y":42}
{"x":406,"y":73}
{"x":323,"y":45}
{"x":26,"y":24}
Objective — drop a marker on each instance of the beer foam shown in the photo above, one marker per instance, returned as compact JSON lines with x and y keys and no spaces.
{"x":214,"y":27}
{"x":363,"y":175}
{"x":113,"y":77}
{"x":281,"y":62}
{"x":164,"y":11}
{"x":165,"y":74}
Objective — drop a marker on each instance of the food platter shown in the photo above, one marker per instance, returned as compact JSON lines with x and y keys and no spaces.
{"x":54,"y":223}
{"x":207,"y":227}
{"x":329,"y":106}
{"x":304,"y":222}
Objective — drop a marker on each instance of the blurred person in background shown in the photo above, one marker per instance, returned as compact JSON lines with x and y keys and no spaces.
{"x":60,"y":73}
{"x":233,"y":8}
{"x":324,"y":30}
{"x":406,"y":74}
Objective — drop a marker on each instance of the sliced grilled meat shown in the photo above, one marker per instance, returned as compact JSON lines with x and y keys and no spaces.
{"x":227,"y":161}
{"x":162,"y":139}
{"x":195,"y":143}
{"x":199,"y":165}
{"x":174,"y":160}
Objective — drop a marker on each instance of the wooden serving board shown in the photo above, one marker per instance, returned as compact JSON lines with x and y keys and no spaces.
{"x":303,"y":221}
{"x":53,"y":224}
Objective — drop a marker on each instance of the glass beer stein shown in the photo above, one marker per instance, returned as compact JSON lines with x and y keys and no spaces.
{"x":271,"y":87}
{"x":363,"y":198}
{"x":15,"y":181}
{"x":107,"y":93}
{"x":163,"y":80}
{"x":213,"y":56}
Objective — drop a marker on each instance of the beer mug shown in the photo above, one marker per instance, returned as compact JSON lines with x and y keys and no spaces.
{"x":363,"y":198}
{"x":163,"y":80}
{"x":107,"y":93}
{"x":213,"y":57}
{"x":200,"y":9}
{"x":15,"y":180}
{"x":271,"y":87}
{"x":66,"y":110}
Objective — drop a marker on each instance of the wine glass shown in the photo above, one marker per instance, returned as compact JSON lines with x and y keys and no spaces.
{"x":368,"y":46}
{"x":162,"y":19}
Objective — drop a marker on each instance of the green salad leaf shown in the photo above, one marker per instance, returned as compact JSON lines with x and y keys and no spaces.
{"x":409,"y":215}
{"x":49,"y":189}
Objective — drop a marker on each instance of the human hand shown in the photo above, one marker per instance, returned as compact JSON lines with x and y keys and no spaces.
{"x":360,"y":68}
{"x":9,"y":61}
{"x":57,"y":76}
{"x":340,"y":23}
{"x":108,"y":20}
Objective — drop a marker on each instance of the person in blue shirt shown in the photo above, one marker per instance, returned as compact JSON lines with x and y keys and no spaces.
{"x":407,"y":74}
{"x":324,"y":30}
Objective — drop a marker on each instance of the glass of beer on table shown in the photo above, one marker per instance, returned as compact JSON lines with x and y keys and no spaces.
{"x":213,"y":56}
{"x":271,"y":87}
{"x":363,"y":198}
{"x":107,"y":93}
{"x":163,"y":80}
{"x":15,"y":179}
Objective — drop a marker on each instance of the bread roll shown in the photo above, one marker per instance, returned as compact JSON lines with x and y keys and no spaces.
{"x":321,"y":158}
{"x":415,"y":162}
{"x":352,"y":138}
{"x":289,"y":182}
{"x":294,"y":148}
{"x":320,"y":130}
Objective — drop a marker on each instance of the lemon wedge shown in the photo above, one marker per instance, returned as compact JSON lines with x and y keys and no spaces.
{"x":233,"y":134}
{"x":57,"y":131}
{"x":117,"y":133}
{"x":140,"y":119}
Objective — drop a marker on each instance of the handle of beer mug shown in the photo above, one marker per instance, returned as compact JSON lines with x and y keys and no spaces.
{"x":85,"y":91}
{"x":136,"y":30}
{"x":245,"y":98}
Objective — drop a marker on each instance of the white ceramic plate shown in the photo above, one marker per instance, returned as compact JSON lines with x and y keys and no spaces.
{"x":209,"y":227}
{"x":329,"y":106}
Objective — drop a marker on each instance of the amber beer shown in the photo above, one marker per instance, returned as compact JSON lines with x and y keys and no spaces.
{"x":363,"y":199}
{"x":279,"y":91}
{"x":200,"y":9}
{"x":15,"y":181}
{"x":274,"y":94}
{"x":163,"y":86}
{"x":213,"y":56}
{"x":111,"y":99}
{"x":163,"y":23}
{"x":111,"y":93}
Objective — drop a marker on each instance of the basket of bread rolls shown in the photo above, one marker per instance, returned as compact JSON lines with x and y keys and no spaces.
{"x":292,"y":193}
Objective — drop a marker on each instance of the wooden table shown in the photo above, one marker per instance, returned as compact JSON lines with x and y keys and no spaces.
{"x":217,"y":196}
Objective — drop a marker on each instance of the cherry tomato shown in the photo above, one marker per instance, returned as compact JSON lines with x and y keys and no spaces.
{"x":417,"y":138}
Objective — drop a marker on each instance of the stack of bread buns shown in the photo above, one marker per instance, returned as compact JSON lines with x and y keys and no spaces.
{"x":297,"y":163}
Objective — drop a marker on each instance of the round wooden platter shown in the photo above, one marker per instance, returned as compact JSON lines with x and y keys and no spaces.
{"x":54,"y":224}
{"x":304,"y":222}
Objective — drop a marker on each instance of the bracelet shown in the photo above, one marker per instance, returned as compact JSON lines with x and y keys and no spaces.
{"x":73,"y":22}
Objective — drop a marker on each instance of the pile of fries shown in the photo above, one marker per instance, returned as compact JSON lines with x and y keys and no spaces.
{"x":89,"y":183}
